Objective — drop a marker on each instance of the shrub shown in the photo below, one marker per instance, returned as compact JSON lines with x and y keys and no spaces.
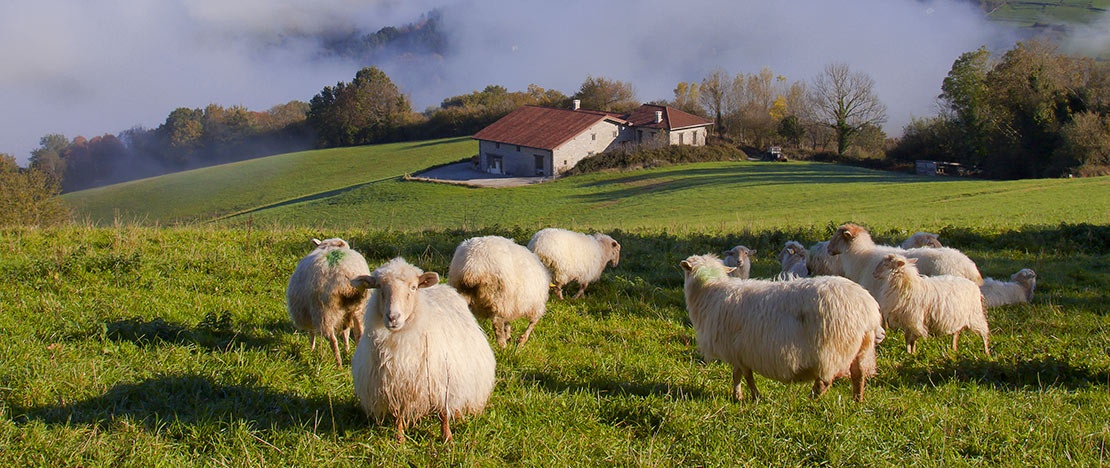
{"x":649,"y":156}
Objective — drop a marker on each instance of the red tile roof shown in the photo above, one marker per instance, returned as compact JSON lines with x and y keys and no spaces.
{"x":542,"y":127}
{"x":644,"y":116}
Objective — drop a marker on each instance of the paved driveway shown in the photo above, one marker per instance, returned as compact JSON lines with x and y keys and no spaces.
{"x":463,"y":173}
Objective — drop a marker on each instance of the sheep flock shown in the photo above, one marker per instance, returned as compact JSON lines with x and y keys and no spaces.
{"x":421,"y":349}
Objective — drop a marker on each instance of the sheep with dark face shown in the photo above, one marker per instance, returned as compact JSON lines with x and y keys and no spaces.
{"x":320,"y":298}
{"x":423,"y":352}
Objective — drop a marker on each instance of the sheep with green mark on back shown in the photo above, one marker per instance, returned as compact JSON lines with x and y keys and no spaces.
{"x":319,"y":296}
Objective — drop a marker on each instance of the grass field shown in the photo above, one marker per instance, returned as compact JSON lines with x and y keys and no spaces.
{"x":169,"y":344}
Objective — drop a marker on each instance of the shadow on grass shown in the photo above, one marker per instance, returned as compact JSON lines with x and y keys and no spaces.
{"x":1016,"y":375}
{"x":634,"y":386}
{"x":215,"y":332}
{"x":195,"y":400}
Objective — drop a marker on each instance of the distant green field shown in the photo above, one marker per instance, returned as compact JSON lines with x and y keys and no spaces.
{"x":1050,"y":12}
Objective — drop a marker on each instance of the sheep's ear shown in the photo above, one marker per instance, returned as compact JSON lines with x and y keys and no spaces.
{"x":751,"y":252}
{"x":911,"y":261}
{"x":729,"y":269}
{"x":616,"y":245}
{"x":686,"y":266}
{"x":316,"y":242}
{"x":364,"y":282}
{"x":847,"y":233}
{"x":428,"y":279}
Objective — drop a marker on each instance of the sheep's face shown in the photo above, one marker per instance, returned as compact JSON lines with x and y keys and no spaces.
{"x":792,"y":253}
{"x":1028,"y":279}
{"x":398,"y":285}
{"x":705,"y":268}
{"x":893,"y":265}
{"x":611,"y":247}
{"x":842,"y":240}
{"x":737,"y":257}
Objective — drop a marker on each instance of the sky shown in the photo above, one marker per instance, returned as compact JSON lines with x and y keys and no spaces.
{"x":94,"y":68}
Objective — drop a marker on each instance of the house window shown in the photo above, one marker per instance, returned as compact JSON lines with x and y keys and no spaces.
{"x":497,"y":145}
{"x":682,"y":138}
{"x":593,"y":136}
{"x":518,"y":147}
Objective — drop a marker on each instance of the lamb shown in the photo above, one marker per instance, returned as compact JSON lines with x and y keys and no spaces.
{"x":423,"y":351}
{"x":859,"y":256}
{"x":573,"y":256}
{"x":739,"y":258}
{"x":921,"y":239}
{"x":320,"y":298}
{"x":500,"y":280}
{"x":820,"y":262}
{"x":815,"y":329}
{"x":924,"y":305}
{"x":793,"y":258}
{"x":1016,"y":291}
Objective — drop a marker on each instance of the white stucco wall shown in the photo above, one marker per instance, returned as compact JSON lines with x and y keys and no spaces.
{"x":598,"y":138}
{"x":515,"y":160}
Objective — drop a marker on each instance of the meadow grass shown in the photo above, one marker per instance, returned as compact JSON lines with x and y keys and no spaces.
{"x":130,"y":345}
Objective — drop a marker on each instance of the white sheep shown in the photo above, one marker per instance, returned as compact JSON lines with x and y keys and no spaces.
{"x":859,"y":256}
{"x":793,"y":257}
{"x":921,"y":239}
{"x":815,"y":329}
{"x":574,"y":257}
{"x":320,"y":298}
{"x":740,"y":259}
{"x":1016,"y":291}
{"x":502,"y":281}
{"x":820,"y":262}
{"x":924,"y":305}
{"x":423,"y":352}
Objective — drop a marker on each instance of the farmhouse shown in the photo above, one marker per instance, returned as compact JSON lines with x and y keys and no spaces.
{"x":542,"y":141}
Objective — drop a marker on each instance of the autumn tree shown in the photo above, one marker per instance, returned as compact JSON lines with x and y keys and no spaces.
{"x":49,"y":156}
{"x":606,"y":95}
{"x":28,"y":197}
{"x":687,"y":97}
{"x":713,"y":96}
{"x":845,"y":102}
{"x":368,"y":109}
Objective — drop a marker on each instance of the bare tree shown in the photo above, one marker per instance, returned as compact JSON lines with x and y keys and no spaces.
{"x":714,"y":96}
{"x":846,"y":102}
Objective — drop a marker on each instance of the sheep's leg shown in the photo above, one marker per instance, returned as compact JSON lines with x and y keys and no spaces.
{"x":859,"y":380}
{"x":819,"y":388}
{"x":911,"y":343}
{"x":750,"y":379}
{"x":312,"y":336}
{"x":347,"y":340}
{"x":559,"y":291}
{"x":400,"y":430}
{"x":528,"y":331}
{"x":501,"y":329}
{"x":358,"y":331}
{"x":986,"y":343}
{"x":955,"y":343}
{"x":445,"y":426}
{"x":330,"y":335}
{"x":737,"y":389}
{"x":581,"y":290}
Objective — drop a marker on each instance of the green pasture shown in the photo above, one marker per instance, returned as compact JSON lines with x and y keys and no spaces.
{"x":1050,"y":12}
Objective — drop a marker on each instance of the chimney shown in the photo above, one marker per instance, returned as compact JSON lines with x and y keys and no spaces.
{"x":577,"y":104}
{"x":658,"y":116}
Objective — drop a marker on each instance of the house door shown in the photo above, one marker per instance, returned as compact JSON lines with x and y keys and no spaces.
{"x":540,"y":166}
{"x":495,"y":165}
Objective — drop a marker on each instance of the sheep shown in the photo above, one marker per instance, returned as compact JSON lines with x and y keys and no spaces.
{"x":815,"y":329}
{"x":921,"y":239}
{"x":820,"y":262}
{"x":573,"y":256}
{"x":423,"y":352}
{"x":740,"y":259}
{"x":924,"y":305}
{"x":1018,"y":290}
{"x":793,"y":258}
{"x":500,"y":280}
{"x":320,"y":298}
{"x":859,"y":256}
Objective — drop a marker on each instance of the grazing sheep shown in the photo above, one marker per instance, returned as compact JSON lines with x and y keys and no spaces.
{"x":502,"y":281}
{"x":814,"y":329}
{"x":423,"y":351}
{"x":573,"y":256}
{"x":820,"y":262}
{"x":1016,"y":291}
{"x":320,"y":298}
{"x":793,"y":257}
{"x":740,"y":259}
{"x":921,"y":239}
{"x":859,"y":256}
{"x":924,"y":305}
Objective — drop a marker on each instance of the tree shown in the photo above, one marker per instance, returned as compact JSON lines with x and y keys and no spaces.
{"x":686,"y":97}
{"x":964,"y":93}
{"x":846,"y":102}
{"x":713,"y":96}
{"x":369,"y":109}
{"x":28,"y":197}
{"x":48,"y":158}
{"x":606,"y":95}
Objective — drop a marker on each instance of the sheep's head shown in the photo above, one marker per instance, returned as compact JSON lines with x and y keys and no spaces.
{"x":334,"y":242}
{"x":611,"y":248}
{"x":737,"y":257}
{"x":792,"y":250}
{"x":705,"y":268}
{"x":894,"y":265}
{"x":845,"y":235}
{"x":398,"y":285}
{"x":924,"y":239}
{"x":1027,"y":278}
